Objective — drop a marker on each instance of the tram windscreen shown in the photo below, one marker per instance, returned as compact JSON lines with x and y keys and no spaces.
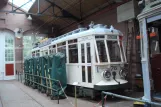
{"x":101,"y":50}
{"x":114,"y":51}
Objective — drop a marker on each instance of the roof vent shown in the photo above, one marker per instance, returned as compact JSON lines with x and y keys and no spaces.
{"x":91,"y":24}
{"x":99,"y":26}
{"x":111,"y":28}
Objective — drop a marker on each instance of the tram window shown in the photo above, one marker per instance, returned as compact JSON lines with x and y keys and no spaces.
{"x":114,"y":51}
{"x":72,"y":41}
{"x":33,"y":53}
{"x":96,"y":56}
{"x":83,"y":74}
{"x":54,"y":46}
{"x":82,"y":53}
{"x":73,"y":53}
{"x":122,"y":51}
{"x":154,"y":41}
{"x":88,"y":53}
{"x":99,"y":36}
{"x":61,"y":44}
{"x":38,"y":53}
{"x":154,"y":46}
{"x":89,"y":75}
{"x":101,"y":51}
{"x":52,"y":49}
{"x":62,"y":49}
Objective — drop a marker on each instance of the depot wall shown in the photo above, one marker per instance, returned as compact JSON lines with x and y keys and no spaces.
{"x":12,"y":21}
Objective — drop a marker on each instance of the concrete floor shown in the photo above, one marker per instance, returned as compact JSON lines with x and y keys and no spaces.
{"x":15,"y":94}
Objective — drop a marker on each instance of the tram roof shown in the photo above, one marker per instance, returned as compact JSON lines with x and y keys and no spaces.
{"x":151,"y":9}
{"x":98,"y":29}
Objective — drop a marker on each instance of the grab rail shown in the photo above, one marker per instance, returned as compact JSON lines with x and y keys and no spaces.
{"x":127,"y":98}
{"x":41,"y":77}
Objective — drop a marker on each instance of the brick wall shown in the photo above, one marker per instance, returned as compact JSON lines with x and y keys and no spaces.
{"x":12,"y":21}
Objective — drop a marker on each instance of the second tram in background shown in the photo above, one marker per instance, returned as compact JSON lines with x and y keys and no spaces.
{"x":95,"y":58}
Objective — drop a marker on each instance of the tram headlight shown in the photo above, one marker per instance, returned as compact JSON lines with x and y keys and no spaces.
{"x":106,"y":74}
{"x":122,"y":73}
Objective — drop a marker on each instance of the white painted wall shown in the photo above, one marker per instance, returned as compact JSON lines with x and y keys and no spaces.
{"x":3,"y":34}
{"x":2,"y":55}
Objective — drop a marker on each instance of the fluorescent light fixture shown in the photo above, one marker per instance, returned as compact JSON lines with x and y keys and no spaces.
{"x":29,"y":17}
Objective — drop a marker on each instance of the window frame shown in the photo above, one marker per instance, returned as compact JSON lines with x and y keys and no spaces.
{"x":105,"y":39}
{"x":69,"y":53}
{"x":121,"y":60}
{"x":9,"y":49}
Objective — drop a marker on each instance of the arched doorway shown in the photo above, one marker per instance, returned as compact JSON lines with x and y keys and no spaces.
{"x":7,"y":55}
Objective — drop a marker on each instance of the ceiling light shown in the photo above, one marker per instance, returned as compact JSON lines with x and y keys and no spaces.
{"x":29,"y":17}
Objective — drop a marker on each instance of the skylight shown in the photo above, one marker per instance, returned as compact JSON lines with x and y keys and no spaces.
{"x":26,"y":7}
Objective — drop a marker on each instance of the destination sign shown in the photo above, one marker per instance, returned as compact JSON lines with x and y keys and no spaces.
{"x":111,"y":36}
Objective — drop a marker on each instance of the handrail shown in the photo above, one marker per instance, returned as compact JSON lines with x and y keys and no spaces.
{"x":127,"y":98}
{"x":40,"y":84}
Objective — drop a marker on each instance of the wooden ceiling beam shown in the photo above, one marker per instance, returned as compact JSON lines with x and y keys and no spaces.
{"x":65,"y":13}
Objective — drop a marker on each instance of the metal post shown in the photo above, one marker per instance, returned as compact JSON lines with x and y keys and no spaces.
{"x":58,"y":96}
{"x":21,"y":61}
{"x":12,"y":5}
{"x":75,"y":96}
{"x":148,"y":103}
{"x":21,"y":77}
{"x":102,"y":95}
{"x":38,"y":4}
{"x":18,"y":75}
{"x":145,"y":62}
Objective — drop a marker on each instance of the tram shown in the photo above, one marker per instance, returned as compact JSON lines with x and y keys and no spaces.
{"x":150,"y":40}
{"x":95,"y":58}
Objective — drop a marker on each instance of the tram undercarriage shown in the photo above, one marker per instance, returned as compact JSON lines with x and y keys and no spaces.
{"x":96,"y":91}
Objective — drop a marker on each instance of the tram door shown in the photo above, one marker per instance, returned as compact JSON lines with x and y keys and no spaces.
{"x":85,"y":61}
{"x":155,"y":55}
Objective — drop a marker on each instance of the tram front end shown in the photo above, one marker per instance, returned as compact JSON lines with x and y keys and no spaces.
{"x":111,"y":66}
